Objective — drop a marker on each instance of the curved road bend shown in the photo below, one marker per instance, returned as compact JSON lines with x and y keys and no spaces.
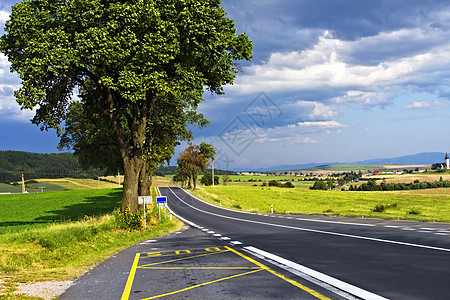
{"x":370,"y":259}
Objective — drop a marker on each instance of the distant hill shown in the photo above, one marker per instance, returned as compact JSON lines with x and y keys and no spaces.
{"x":424,"y":158}
{"x":56,"y":165}
{"x":37,"y":165}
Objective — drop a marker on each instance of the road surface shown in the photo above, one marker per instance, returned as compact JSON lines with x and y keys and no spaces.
{"x":350,"y":258}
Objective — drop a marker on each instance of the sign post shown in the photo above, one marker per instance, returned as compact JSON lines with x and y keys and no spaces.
{"x":161,"y":201}
{"x":145,"y":200}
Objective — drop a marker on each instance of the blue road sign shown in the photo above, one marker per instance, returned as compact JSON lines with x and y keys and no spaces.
{"x":161,"y":199}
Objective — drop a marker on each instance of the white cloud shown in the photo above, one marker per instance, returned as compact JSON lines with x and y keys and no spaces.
{"x":370,"y":66}
{"x":425,"y":104}
{"x":322,"y":124}
{"x":4,"y":16}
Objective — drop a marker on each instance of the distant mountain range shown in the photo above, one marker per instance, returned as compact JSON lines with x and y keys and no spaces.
{"x":424,"y":158}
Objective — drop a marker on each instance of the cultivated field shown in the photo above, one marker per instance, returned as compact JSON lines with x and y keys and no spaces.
{"x":406,"y":206}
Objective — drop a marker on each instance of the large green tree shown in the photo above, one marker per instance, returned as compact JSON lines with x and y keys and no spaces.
{"x":142,"y":64}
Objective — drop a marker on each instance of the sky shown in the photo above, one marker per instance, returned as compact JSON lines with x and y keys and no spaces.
{"x":330,"y":81}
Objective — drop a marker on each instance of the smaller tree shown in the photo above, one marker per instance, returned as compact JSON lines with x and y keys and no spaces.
{"x":319,"y":185}
{"x":194,"y":159}
{"x":207,"y":179}
{"x":225,"y":179}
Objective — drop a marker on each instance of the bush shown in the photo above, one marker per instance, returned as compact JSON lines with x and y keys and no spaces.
{"x":288,"y":184}
{"x":319,"y":185}
{"x":413,"y":212}
{"x":207,"y":179}
{"x":379,"y":208}
{"x":130,"y":221}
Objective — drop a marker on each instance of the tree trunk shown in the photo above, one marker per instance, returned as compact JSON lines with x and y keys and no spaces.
{"x":144,"y":182}
{"x":132,"y":169}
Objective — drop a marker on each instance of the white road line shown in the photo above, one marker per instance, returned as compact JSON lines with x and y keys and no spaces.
{"x":392,"y":226}
{"x":429,"y":228}
{"x":314,"y":230}
{"x":423,"y":231}
{"x":210,"y":232}
{"x":336,"y":222}
{"x":444,"y":231}
{"x":225,"y":238}
{"x":217,"y":234}
{"x":408,"y":228}
{"x":236,"y":243}
{"x":440,"y":233}
{"x":317,"y":275}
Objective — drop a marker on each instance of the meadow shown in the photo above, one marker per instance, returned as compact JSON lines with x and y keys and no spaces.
{"x":60,"y":235}
{"x":405,"y":206}
{"x":27,"y":211}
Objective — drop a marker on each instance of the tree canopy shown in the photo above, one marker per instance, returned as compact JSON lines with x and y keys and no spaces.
{"x":192,"y":160}
{"x":141,"y":66}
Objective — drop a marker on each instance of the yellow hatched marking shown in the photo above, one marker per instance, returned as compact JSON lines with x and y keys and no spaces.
{"x":203,"y":284}
{"x":184,"y":258}
{"x":127,"y":290}
{"x":293,"y":282}
{"x":183,"y":252}
{"x":200,"y":268}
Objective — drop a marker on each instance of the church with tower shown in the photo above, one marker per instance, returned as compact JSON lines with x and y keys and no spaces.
{"x":442,"y":166}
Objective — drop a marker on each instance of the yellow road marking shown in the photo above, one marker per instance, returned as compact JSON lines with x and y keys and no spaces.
{"x":184,"y":258}
{"x":261,"y":267}
{"x":295,"y":283}
{"x":203,"y":284}
{"x":184,"y":252}
{"x":127,"y":290}
{"x":199,"y":268}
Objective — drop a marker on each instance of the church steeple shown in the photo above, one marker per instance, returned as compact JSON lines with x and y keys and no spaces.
{"x":447,"y":161}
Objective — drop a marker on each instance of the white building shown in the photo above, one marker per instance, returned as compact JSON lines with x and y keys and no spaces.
{"x":447,"y":161}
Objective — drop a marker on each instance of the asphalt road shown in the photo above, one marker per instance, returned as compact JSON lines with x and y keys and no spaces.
{"x":364,"y":258}
{"x":190,"y":264}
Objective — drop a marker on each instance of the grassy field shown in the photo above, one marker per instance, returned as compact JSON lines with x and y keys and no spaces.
{"x":25,"y":211}
{"x":60,"y":235}
{"x":407,"y":206}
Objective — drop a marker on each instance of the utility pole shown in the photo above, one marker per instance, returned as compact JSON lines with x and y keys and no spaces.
{"x":213,"y":172}
{"x":23,"y":185}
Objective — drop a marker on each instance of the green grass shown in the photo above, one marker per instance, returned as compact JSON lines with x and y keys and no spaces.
{"x":26,"y":211}
{"x":350,"y":204}
{"x":39,"y":243}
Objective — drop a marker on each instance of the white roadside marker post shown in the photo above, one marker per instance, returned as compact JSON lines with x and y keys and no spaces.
{"x":271,"y":208}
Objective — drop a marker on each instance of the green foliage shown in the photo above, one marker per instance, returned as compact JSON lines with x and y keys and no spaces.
{"x":130,"y":221}
{"x":382,"y":207}
{"x":207,"y":179}
{"x":278,"y":184}
{"x":141,"y":68}
{"x":371,"y":185}
{"x":414,"y":212}
{"x":36,"y":165}
{"x":319,"y":185}
{"x":192,"y":160}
